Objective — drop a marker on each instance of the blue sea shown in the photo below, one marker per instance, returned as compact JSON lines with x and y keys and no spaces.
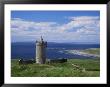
{"x":26,"y":50}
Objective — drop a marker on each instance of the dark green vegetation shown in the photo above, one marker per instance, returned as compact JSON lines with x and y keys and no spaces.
{"x":88,"y":68}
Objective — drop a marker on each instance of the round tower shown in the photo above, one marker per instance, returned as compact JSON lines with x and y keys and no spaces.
{"x":41,"y":51}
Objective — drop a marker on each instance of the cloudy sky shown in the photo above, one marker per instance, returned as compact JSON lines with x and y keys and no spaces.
{"x":56,"y":26}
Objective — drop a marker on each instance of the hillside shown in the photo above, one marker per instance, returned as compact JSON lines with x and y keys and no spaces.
{"x":88,"y":68}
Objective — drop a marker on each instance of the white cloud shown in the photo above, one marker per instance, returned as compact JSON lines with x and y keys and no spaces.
{"x":82,"y":21}
{"x":81,"y":28}
{"x":83,"y":18}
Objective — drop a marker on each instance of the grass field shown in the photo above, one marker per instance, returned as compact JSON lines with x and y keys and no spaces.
{"x":88,"y":68}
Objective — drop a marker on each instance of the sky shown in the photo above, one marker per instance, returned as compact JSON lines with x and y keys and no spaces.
{"x":56,"y":26}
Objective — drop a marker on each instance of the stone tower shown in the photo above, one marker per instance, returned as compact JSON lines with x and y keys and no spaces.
{"x":41,"y":51}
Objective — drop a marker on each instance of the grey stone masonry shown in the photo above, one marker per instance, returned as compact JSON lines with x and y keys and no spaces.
{"x":41,"y":51}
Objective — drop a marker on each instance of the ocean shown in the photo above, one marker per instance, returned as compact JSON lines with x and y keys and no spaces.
{"x":26,"y":50}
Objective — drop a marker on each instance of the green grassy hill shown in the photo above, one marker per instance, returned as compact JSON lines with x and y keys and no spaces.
{"x":88,"y":68}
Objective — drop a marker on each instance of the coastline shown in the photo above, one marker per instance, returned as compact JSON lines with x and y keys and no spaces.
{"x":85,"y":52}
